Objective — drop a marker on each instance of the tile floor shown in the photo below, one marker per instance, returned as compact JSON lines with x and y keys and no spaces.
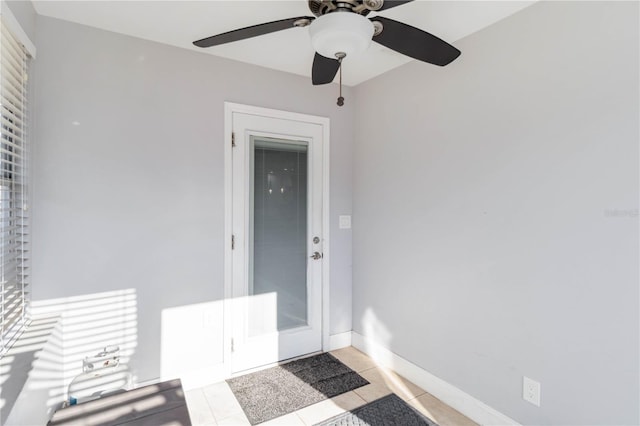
{"x":216,"y":405}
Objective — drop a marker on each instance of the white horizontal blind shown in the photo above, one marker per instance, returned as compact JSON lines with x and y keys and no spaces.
{"x":13,"y":188}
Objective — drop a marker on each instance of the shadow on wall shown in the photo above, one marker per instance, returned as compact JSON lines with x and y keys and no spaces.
{"x":32,"y":368}
{"x":38,"y":369}
{"x":91,"y":322}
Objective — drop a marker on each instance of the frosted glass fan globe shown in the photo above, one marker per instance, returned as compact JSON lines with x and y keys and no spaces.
{"x":345,"y":32}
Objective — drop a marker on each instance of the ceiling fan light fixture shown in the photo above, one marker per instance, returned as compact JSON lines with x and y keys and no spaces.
{"x":346,"y":32}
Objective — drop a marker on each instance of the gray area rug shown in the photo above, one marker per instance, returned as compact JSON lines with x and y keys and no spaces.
{"x":390,"y":410}
{"x":281,"y":390}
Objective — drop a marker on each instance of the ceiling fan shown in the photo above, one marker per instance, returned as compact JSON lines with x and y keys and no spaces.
{"x":340,"y":29}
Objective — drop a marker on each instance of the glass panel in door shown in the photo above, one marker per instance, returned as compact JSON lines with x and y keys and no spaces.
{"x":278,"y":235}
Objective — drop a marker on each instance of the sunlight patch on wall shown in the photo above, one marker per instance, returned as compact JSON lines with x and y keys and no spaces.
{"x":377,"y":344}
{"x":375,"y":331}
{"x":90,"y":323}
{"x":36,"y":372}
{"x":191,"y":343}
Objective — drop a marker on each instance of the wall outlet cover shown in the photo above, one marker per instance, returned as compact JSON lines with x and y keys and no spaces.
{"x":531,"y":391}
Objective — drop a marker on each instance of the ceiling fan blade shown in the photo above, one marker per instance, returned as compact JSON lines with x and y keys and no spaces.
{"x":324,"y":69}
{"x":414,"y":42}
{"x":249,"y":32}
{"x":388,"y":4}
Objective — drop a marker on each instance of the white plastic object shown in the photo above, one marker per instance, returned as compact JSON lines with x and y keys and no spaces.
{"x":94,"y":384}
{"x":108,"y":357}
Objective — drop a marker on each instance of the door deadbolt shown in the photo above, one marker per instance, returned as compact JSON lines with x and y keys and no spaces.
{"x":316,"y":240}
{"x":316,"y":256}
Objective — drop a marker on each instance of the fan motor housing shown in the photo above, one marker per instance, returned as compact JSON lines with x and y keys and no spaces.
{"x":318,"y":7}
{"x":322,"y":7}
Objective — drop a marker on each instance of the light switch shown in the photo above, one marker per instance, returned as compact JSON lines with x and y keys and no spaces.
{"x":344,"y":222}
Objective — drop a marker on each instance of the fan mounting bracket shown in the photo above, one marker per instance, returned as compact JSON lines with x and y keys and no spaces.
{"x":377,"y":27}
{"x":304,"y":22}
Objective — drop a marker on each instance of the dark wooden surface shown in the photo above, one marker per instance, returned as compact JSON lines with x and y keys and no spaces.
{"x":153,"y":405}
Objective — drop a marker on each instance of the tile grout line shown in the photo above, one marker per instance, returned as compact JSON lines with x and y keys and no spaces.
{"x":299,"y":418}
{"x":358,"y":395}
{"x":365,"y":370}
{"x":361,"y":397}
{"x":206,"y":400}
{"x":240,"y":412}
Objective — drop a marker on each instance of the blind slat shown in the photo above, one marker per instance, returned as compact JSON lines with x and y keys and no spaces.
{"x":12,"y":120}
{"x":14,"y":259}
{"x":12,"y":97}
{"x":11,"y":85}
{"x":8,"y":66}
{"x":14,"y":48}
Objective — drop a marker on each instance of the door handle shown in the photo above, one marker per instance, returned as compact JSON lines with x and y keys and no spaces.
{"x":316,"y":256}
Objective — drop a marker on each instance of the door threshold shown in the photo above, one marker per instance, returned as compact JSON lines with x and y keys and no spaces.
{"x":273,"y":364}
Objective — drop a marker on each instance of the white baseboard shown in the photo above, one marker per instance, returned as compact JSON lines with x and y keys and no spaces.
{"x":339,"y":341}
{"x":476,"y":410}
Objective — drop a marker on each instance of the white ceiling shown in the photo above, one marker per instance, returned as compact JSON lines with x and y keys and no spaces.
{"x":179,"y":23}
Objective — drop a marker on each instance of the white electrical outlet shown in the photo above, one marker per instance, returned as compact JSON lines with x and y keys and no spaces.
{"x":531,"y":391}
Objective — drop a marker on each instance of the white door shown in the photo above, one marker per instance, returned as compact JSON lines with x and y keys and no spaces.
{"x":276,"y":304}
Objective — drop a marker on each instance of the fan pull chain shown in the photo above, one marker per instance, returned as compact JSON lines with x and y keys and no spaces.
{"x":340,"y":57}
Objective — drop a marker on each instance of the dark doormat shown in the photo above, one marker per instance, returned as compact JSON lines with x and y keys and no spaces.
{"x":281,"y":390}
{"x":390,"y":410}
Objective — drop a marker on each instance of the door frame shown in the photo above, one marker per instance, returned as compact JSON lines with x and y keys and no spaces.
{"x":229,"y":109}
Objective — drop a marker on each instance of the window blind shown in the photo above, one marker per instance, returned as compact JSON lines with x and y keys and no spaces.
{"x":14,"y":300}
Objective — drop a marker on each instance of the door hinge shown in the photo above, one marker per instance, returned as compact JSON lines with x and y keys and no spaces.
{"x":233,"y":346}
{"x":233,"y":140}
{"x":233,"y":242}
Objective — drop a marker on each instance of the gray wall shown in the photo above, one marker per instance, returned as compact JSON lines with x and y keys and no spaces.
{"x":495,"y":213}
{"x":25,"y":15}
{"x":128,"y":170}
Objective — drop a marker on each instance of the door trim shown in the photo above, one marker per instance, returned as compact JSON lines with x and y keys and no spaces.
{"x":324,"y":122}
